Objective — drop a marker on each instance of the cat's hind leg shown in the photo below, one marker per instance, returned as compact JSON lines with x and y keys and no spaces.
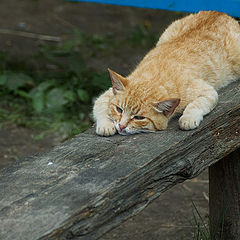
{"x":104,"y":125}
{"x":204,"y":102}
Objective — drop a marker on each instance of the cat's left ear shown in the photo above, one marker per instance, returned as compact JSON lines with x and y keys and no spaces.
{"x":167,"y":107}
{"x":118,"y":82}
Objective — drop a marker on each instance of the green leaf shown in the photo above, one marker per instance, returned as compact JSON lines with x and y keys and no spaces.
{"x":17,"y":80}
{"x":22,"y":93}
{"x":69,"y":95}
{"x":83,"y":95}
{"x":55,"y":99}
{"x":38,"y":101}
{"x":43,"y":86}
{"x":3,"y":79}
{"x":38,"y":95}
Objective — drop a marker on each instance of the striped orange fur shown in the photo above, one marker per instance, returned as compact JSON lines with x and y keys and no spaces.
{"x":193,"y":58}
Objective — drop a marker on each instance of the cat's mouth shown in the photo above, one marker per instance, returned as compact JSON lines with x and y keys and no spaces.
{"x":125,"y":131}
{"x":128,"y":131}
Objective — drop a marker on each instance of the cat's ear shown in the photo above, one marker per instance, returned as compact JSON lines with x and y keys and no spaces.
{"x":118,"y":82}
{"x":167,"y":107}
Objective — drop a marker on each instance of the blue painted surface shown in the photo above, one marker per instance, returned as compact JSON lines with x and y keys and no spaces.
{"x":232,"y":7}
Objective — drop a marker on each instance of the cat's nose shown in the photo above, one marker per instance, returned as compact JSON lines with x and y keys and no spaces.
{"x":121,"y":126}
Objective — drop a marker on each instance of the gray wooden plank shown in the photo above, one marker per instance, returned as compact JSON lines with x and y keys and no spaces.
{"x":89,"y":184}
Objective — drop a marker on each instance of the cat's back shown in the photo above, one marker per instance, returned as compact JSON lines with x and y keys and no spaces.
{"x":204,"y":45}
{"x":200,"y":26}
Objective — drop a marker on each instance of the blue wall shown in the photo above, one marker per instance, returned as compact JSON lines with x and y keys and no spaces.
{"x":232,"y":7}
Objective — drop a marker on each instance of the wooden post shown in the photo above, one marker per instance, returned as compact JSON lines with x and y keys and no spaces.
{"x":224,"y":195}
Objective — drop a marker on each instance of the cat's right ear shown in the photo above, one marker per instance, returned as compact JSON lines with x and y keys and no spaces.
{"x":118,"y":82}
{"x":167,"y":107}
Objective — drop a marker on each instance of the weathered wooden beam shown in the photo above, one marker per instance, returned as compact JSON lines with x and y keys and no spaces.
{"x":89,"y":184}
{"x":224,"y":197}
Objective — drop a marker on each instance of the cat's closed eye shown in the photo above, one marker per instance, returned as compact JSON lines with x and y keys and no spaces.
{"x":119,"y":109}
{"x":138,"y":117}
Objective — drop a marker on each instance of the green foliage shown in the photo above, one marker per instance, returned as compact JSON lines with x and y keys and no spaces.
{"x":58,"y":93}
{"x":201,"y":228}
{"x":52,"y":98}
{"x":142,"y":35}
{"x":202,"y":225}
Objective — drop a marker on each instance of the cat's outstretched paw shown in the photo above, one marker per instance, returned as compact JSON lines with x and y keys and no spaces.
{"x":189,"y":122}
{"x":105,"y":128}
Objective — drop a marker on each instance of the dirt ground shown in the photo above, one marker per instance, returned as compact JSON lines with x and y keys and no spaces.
{"x":170,"y":217}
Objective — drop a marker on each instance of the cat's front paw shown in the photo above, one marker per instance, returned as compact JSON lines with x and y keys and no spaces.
{"x":105,"y":128}
{"x":189,"y":122}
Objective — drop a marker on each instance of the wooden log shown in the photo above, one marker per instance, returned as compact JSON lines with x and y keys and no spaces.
{"x":224,"y":197}
{"x":89,"y":184}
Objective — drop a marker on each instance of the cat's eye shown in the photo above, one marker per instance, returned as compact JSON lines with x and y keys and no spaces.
{"x":119,"y":109}
{"x":139,"y":117}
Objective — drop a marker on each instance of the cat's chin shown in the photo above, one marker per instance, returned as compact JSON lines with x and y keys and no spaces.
{"x":127,"y":131}
{"x":131,"y":132}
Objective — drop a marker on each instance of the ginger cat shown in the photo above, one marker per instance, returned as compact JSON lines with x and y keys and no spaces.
{"x":193,"y":58}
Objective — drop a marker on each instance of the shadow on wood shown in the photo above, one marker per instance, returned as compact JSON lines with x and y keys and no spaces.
{"x":89,"y":184}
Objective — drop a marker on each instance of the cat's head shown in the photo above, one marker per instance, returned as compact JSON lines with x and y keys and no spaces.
{"x":136,"y":108}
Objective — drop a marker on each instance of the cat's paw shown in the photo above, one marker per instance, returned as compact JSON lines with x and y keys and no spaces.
{"x":105,"y":128}
{"x":190,"y":121}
